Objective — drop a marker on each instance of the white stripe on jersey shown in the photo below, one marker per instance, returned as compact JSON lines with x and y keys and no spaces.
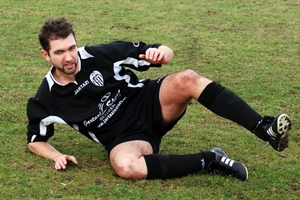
{"x":84,"y":54}
{"x":94,"y":137}
{"x":134,"y":62}
{"x":32,"y":138}
{"x":47,"y":121}
{"x":50,"y":79}
{"x":126,"y":77}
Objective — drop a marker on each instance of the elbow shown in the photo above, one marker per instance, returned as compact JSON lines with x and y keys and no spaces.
{"x":30,"y":146}
{"x":169,"y":54}
{"x":169,"y":58}
{"x":34,"y":146}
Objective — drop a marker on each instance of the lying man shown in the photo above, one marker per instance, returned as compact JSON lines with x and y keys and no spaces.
{"x":92,"y":90}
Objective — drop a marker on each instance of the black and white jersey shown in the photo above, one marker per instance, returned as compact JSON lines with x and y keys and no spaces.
{"x":95,"y":100}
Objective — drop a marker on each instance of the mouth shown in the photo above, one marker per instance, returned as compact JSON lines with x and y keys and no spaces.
{"x":69,"y":66}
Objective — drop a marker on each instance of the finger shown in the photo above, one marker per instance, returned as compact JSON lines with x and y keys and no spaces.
{"x":158,"y":55}
{"x":59,"y":165}
{"x":56,"y":166}
{"x":64,"y":160}
{"x":161,"y":56}
{"x":155,"y":55}
{"x":72,"y":159}
{"x":142,"y":56}
{"x":149,"y":54}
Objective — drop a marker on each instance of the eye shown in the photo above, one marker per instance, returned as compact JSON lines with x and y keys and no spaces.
{"x":73,"y":47}
{"x":58,"y":52}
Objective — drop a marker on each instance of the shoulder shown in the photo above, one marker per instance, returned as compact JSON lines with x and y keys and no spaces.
{"x":85,"y":52}
{"x":44,"y":89}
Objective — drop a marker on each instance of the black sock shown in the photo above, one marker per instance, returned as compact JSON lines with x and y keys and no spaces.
{"x":173,"y":166}
{"x":226,"y":104}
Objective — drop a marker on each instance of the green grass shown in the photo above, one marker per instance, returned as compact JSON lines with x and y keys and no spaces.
{"x":251,"y":47}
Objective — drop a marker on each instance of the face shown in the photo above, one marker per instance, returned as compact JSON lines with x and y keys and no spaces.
{"x":63,"y":55}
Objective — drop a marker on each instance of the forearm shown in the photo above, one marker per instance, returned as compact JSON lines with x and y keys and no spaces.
{"x":44,"y":150}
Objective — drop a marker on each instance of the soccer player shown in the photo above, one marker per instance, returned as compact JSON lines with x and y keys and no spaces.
{"x":93,"y":90}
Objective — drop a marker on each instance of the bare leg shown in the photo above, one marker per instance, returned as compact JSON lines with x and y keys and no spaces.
{"x":177,"y":90}
{"x":127,"y":159}
{"x":134,"y":160}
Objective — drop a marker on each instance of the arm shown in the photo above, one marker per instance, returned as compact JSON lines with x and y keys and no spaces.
{"x":160,"y":55}
{"x":45,"y":150}
{"x":41,"y":127}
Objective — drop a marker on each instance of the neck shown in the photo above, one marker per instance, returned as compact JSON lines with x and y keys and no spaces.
{"x":62,"y":77}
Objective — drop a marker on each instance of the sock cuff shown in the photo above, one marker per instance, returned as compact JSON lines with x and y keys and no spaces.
{"x":152,"y":167}
{"x":208,"y":158}
{"x":210,"y":92}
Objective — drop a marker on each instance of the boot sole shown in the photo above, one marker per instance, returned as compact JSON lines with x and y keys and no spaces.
{"x":283,"y":125}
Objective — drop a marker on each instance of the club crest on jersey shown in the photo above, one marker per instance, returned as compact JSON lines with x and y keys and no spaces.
{"x":136,"y":44}
{"x":97,"y":78}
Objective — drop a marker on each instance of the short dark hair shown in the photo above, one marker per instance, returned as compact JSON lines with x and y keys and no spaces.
{"x":54,"y":29}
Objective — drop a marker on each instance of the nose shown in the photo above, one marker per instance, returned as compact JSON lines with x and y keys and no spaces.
{"x":68,"y":56}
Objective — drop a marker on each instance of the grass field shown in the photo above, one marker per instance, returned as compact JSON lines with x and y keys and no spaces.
{"x":251,"y":47}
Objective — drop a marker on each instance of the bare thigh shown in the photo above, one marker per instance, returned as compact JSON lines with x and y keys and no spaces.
{"x":177,"y":90}
{"x":127,"y":159}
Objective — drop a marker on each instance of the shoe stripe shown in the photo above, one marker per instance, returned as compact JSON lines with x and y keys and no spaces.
{"x":271,"y":132}
{"x":227,"y":161}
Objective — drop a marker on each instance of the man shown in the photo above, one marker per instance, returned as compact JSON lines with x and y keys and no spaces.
{"x":92,"y":90}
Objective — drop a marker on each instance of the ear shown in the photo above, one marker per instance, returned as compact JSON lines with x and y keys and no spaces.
{"x":45,"y":55}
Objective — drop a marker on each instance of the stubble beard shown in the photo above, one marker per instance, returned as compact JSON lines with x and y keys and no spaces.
{"x":66,"y":71}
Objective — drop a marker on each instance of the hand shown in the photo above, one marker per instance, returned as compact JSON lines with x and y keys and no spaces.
{"x":153,"y":56}
{"x":60,"y":163}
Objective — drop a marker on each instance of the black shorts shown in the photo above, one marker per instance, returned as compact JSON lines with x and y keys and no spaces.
{"x":142,"y":119}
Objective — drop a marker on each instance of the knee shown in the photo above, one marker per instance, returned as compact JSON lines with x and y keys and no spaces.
{"x":129,"y":169}
{"x":189,"y":77}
